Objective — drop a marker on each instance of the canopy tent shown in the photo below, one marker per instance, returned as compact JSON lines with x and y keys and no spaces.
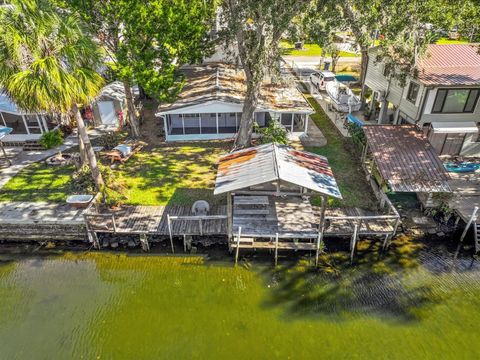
{"x":273,"y":162}
{"x":405,"y":159}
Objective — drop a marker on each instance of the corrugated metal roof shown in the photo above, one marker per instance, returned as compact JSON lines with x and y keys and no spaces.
{"x":406,"y":159}
{"x":272,"y":162}
{"x":450,"y":64}
{"x":114,"y":90}
{"x":225,"y":83}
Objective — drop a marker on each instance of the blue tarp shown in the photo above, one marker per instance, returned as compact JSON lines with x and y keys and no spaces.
{"x":5,"y":131}
{"x":355,"y":120}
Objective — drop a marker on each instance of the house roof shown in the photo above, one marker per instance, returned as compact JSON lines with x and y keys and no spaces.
{"x":405,"y":159}
{"x":225,"y":83}
{"x":114,"y":91}
{"x":272,"y":162}
{"x":450,"y":65}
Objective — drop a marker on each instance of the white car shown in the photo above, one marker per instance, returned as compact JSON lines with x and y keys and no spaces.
{"x":320,"y":78}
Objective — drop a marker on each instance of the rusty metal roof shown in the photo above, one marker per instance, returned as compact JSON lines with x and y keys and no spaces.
{"x":225,"y":83}
{"x":405,"y":159}
{"x":450,"y":64}
{"x":273,"y":162}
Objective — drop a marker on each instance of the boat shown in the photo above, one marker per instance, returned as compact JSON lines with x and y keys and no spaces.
{"x":462,"y":167}
{"x":79,"y":201}
{"x":343,"y":99}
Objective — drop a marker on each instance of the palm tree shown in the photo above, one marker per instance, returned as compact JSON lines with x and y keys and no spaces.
{"x":48,"y":64}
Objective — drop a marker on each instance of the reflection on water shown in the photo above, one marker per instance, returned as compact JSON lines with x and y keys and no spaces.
{"x":406,"y":304}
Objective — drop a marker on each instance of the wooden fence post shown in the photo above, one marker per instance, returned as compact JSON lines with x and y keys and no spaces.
{"x":276,"y":248}
{"x":238,"y":244}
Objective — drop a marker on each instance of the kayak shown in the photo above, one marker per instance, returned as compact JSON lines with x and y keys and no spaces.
{"x":462,"y":167}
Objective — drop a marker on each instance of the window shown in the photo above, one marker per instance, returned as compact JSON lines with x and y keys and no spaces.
{"x":455,"y":101}
{"x":213,"y":115}
{"x":413,"y":92}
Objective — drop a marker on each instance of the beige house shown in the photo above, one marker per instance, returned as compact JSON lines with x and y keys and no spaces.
{"x":443,"y":100}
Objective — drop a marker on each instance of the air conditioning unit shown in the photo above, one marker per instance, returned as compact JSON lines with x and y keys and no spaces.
{"x":380,"y":96}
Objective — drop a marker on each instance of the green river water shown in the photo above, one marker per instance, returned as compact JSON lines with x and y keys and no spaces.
{"x":117,"y":306}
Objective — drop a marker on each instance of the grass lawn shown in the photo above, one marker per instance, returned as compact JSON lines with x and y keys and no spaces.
{"x":345,"y":164}
{"x":38,"y":182}
{"x":169,"y":174}
{"x":309,"y":50}
{"x":172,"y":174}
{"x":445,"y":40}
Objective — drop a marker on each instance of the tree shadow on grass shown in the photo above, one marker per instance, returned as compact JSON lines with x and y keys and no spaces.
{"x":375,"y":285}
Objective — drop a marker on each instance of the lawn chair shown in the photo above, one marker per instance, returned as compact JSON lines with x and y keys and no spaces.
{"x":200,"y":208}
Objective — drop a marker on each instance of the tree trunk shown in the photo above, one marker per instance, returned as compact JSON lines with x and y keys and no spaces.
{"x":92,"y":160}
{"x":363,"y":73}
{"x":244,"y":135}
{"x":82,"y":150}
{"x":132,"y":115}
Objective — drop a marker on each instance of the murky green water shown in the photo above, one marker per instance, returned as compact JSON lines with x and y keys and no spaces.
{"x":103,"y":306}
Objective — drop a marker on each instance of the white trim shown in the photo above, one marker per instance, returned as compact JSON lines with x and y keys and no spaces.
{"x":216,"y":121}
{"x":291,"y":123}
{"x":183,"y":124}
{"x":200,"y":122}
{"x":194,"y":137}
{"x":453,"y":127}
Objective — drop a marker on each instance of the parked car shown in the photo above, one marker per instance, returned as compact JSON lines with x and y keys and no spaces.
{"x":320,"y":78}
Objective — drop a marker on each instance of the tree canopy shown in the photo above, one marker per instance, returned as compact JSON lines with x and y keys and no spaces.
{"x":147,"y":41}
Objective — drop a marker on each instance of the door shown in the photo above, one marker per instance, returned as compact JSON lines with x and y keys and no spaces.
{"x":107,"y":112}
{"x":453,"y":144}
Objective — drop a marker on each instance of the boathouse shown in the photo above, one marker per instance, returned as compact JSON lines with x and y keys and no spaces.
{"x":268,"y":190}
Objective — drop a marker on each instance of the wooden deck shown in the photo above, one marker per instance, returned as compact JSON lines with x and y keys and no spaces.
{"x":289,"y":218}
{"x":153,"y":220}
{"x":341,"y":222}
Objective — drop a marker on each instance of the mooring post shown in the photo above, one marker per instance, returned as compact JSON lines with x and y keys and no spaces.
{"x":386,"y":242}
{"x":321,"y":227}
{"x":470,"y":221}
{"x":144,"y":242}
{"x":169,"y":223}
{"x":113,"y":223}
{"x":353,"y":242}
{"x":184,"y":243}
{"x":238,"y":244}
{"x":276,"y":248}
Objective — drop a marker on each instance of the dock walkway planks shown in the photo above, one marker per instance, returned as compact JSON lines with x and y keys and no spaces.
{"x":152,"y":220}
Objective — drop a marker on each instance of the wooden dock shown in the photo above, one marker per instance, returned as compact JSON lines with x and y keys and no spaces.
{"x":153,"y":220}
{"x":256,"y":222}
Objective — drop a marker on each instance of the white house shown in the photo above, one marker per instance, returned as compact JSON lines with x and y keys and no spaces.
{"x":210,"y":105}
{"x":443,"y":100}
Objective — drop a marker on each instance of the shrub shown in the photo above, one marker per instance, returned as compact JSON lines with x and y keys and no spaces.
{"x":51,"y":139}
{"x":110,"y":140}
{"x":358,"y":136}
{"x":114,"y":190}
{"x":274,"y":132}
